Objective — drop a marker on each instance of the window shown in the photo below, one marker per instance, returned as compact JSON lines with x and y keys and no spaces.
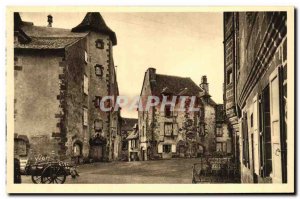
{"x":167,"y":148}
{"x":97,"y":101}
{"x":251,"y":120}
{"x":85,"y":57}
{"x":99,"y":44}
{"x":98,"y":125}
{"x":85,"y":85}
{"x":168,"y":112}
{"x":124,"y":145}
{"x":219,"y":146}
{"x":85,"y":116}
{"x":168,"y":129}
{"x":265,"y":149}
{"x":99,"y":70}
{"x":229,"y":76}
{"x":133,"y":144}
{"x":219,"y":132}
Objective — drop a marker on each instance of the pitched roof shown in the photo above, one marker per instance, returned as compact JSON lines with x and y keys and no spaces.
{"x":47,"y":43}
{"x":128,"y":123}
{"x":43,"y":31}
{"x":47,"y":37}
{"x":133,"y":135}
{"x":175,"y":85}
{"x":22,"y":36}
{"x":94,"y":21}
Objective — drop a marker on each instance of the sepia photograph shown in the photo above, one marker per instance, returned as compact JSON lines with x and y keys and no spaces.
{"x":197,"y":99}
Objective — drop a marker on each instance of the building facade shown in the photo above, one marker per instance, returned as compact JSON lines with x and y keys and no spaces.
{"x":169,"y":132}
{"x":133,"y":145}
{"x":60,"y":77}
{"x":126,"y":128}
{"x":255,"y":92}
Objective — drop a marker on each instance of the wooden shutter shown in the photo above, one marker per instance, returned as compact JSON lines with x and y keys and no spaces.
{"x":245,"y":141}
{"x":160,"y":148}
{"x":255,"y":136}
{"x":274,"y":82}
{"x":173,"y":148}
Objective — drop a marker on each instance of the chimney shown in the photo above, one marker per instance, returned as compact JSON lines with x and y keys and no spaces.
{"x":152,"y":75}
{"x":50,"y":20}
{"x":204,"y":84}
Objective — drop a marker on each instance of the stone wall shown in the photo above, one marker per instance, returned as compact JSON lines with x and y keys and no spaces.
{"x":37,"y":89}
{"x":262,"y":48}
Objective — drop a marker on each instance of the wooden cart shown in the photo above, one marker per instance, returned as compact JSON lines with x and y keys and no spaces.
{"x":48,"y":172}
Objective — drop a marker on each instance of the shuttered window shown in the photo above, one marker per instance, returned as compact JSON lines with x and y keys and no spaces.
{"x":245,"y":141}
{"x":85,"y":116}
{"x":265,"y":134}
{"x":85,"y":85}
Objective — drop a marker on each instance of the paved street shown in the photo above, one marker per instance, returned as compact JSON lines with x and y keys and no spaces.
{"x":162,"y":171}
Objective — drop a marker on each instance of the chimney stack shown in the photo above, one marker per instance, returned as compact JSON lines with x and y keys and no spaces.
{"x":50,"y":20}
{"x":152,"y":74}
{"x":204,"y":84}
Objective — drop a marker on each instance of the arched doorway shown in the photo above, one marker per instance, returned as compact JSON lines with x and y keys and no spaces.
{"x":77,"y":151}
{"x":97,"y":148}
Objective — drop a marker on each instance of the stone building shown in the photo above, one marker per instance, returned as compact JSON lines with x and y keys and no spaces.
{"x":255,"y":92}
{"x":133,"y":146}
{"x":60,"y":77}
{"x":172,"y":132}
{"x":223,"y":133}
{"x":126,"y":128}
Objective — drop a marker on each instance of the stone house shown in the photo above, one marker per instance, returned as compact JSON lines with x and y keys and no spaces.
{"x":133,"y":144}
{"x":60,"y":77}
{"x":255,"y":92}
{"x":171,"y":132}
{"x":126,"y":128}
{"x":223,"y":133}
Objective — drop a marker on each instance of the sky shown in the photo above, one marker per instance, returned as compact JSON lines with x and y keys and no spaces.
{"x":181,"y":44}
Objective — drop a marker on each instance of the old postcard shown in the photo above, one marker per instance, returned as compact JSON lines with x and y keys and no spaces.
{"x":150,"y":100}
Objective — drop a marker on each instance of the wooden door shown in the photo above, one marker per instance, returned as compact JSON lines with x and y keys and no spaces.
{"x":275,"y":126}
{"x":97,"y":153}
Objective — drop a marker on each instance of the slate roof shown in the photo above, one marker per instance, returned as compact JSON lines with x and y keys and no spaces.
{"x":175,"y":85}
{"x":128,"y":123}
{"x":43,"y":31}
{"x":133,"y":135}
{"x":43,"y":37}
{"x":47,"y":37}
{"x":47,"y":43}
{"x":94,"y":21}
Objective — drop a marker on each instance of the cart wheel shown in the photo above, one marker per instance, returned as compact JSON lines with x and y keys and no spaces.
{"x":36,"y":179}
{"x":54,"y":174}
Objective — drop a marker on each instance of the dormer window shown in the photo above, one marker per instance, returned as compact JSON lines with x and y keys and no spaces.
{"x":99,"y":70}
{"x":99,"y":44}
